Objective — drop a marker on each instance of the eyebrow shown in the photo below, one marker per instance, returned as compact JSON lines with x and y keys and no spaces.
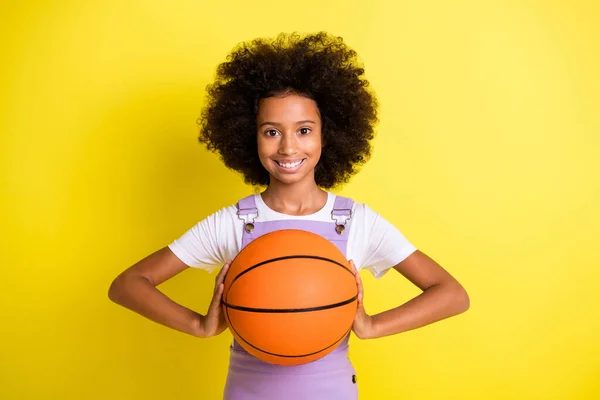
{"x":306,"y":121}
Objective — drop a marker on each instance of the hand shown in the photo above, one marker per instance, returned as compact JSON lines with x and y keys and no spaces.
{"x":363,"y":323}
{"x":214,"y":322}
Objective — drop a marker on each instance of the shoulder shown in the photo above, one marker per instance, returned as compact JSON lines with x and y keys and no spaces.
{"x":217,"y":222}
{"x":227,"y":213}
{"x":361,"y":212}
{"x":370,"y":222}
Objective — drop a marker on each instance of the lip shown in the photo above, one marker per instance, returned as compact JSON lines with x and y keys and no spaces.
{"x":289,"y":170}
{"x":288,"y":160}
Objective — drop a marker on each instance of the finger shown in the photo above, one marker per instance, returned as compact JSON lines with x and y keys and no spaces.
{"x":216,"y":300}
{"x":353,"y":265}
{"x":360,"y":288}
{"x":224,"y":270}
{"x":221,"y":275}
{"x":359,"y":282}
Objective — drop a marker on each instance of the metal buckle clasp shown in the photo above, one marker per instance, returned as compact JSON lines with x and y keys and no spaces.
{"x":248,"y":218}
{"x":341,"y":220}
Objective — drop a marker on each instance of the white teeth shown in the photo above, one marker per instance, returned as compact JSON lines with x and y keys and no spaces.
{"x":289,"y":165}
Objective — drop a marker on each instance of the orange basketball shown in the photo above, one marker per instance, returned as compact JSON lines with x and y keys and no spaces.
{"x":290,"y":297}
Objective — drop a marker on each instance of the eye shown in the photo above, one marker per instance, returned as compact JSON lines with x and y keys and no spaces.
{"x":305,"y":131}
{"x":271,"y":132}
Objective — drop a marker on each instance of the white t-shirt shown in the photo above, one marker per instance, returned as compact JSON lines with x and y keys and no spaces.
{"x":373,"y":243}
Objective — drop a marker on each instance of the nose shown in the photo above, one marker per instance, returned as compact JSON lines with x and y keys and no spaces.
{"x":288,"y":145}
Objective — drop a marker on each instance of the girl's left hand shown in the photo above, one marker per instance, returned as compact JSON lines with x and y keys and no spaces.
{"x":363,"y":323}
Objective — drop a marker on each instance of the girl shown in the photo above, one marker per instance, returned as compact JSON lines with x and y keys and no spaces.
{"x":295,"y":115}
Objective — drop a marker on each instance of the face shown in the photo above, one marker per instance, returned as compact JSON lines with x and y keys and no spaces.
{"x":289,"y":137}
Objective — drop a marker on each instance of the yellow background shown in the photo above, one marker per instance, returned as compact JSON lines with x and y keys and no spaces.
{"x":487,"y":158}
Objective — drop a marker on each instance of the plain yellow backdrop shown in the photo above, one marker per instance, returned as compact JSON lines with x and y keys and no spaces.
{"x":487,"y":158}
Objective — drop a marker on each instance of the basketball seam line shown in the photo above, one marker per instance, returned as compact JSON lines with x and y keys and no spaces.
{"x":288,"y":310}
{"x":286,"y":258}
{"x":283,"y":355}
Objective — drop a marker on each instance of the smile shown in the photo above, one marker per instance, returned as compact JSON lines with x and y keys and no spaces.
{"x":290,"y":166}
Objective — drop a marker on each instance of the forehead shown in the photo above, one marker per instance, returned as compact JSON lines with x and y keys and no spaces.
{"x":288,"y":108}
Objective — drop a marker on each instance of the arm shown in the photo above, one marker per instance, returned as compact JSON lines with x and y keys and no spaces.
{"x":442,"y":297}
{"x":135,"y":289}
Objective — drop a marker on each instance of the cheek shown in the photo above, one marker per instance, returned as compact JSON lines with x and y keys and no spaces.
{"x":316,"y":146}
{"x":261,"y":147}
{"x":264,"y":150}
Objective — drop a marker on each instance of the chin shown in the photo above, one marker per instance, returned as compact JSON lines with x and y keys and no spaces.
{"x":288,"y":179}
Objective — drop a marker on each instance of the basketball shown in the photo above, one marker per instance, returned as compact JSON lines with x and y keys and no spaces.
{"x":290,"y":297}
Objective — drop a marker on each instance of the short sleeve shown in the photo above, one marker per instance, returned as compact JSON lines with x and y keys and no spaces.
{"x":377,"y":245}
{"x":209,"y":243}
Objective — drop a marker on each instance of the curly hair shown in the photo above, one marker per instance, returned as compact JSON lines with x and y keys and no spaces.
{"x":318,"y":66}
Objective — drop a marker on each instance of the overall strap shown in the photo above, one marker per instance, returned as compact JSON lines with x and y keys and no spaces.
{"x":342,"y":212}
{"x":247,"y":206}
{"x":247,"y":212}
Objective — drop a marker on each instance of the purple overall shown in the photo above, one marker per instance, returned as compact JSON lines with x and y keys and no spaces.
{"x":329,"y":378}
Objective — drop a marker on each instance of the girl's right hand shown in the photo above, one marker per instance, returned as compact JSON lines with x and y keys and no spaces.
{"x":213,"y":322}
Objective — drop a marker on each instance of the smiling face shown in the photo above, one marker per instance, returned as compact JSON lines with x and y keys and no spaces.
{"x":289,"y":137}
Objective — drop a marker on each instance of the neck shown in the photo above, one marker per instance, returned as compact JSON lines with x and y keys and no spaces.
{"x":301,"y":198}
